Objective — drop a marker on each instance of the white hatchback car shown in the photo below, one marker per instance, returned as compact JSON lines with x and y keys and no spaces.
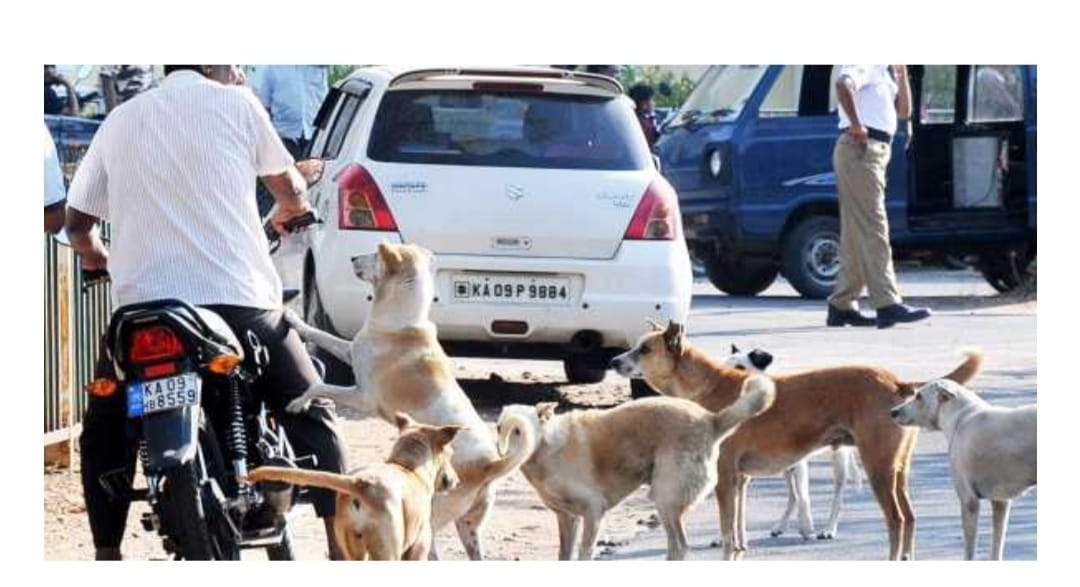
{"x":555,"y":235}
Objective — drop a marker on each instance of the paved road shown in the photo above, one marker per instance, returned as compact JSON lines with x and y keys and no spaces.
{"x":792,"y":329}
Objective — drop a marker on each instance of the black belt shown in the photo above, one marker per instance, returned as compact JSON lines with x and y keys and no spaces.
{"x":877,"y":135}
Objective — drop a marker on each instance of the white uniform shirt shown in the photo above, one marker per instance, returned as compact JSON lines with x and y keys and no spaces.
{"x":875,"y":96}
{"x":54,"y":178}
{"x":174,"y":170}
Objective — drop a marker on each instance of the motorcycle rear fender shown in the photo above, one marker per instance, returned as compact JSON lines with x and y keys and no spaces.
{"x":171,"y":437}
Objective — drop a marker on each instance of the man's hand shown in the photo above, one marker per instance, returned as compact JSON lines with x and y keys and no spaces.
{"x":95,"y":258}
{"x":287,"y":212}
{"x":857,"y":132}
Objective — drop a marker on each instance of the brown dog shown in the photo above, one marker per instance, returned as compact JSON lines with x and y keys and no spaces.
{"x":384,"y":511}
{"x":841,"y":405}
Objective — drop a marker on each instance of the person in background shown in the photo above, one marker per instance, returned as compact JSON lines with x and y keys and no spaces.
{"x":54,"y":104}
{"x":55,"y":195}
{"x":644,"y":108}
{"x":872,"y":98}
{"x":229,"y":75}
{"x":120,"y":83}
{"x":292,"y":94}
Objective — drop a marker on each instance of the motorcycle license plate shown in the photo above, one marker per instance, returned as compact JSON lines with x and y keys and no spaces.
{"x":168,"y":393}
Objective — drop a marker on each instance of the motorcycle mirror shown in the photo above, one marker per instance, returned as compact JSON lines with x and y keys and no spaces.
{"x":311,"y":170}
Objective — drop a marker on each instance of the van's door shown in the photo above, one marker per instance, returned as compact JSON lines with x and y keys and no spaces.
{"x":789,"y":147}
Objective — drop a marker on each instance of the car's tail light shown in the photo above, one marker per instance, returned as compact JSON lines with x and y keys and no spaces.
{"x":361,"y":203}
{"x":656,"y":217}
{"x":153,"y":344}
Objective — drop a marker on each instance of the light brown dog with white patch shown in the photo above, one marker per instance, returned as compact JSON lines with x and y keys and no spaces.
{"x":400,"y":367}
{"x":383,"y":511}
{"x":841,"y":405}
{"x":585,"y":462}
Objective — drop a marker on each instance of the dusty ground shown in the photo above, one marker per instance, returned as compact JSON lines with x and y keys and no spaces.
{"x":519,"y":528}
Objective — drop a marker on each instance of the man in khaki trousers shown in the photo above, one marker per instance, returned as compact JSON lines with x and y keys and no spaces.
{"x":871,"y":98}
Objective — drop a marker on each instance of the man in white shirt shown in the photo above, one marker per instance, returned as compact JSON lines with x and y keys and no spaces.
{"x":871,"y":98}
{"x":54,"y":188}
{"x":173,"y":170}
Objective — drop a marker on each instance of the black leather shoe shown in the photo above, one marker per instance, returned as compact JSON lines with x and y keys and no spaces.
{"x":838,"y":317}
{"x":900,"y":313}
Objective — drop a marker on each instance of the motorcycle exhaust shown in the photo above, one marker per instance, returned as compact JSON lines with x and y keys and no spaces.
{"x":278,"y":494}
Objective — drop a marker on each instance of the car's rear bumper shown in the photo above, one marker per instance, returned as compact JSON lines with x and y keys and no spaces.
{"x":612,"y":297}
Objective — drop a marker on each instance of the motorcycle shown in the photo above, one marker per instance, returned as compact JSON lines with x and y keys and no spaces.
{"x":199,"y":427}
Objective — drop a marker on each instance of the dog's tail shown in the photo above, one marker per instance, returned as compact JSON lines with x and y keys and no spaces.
{"x":516,"y":443}
{"x":758,"y":395}
{"x":368,"y":492}
{"x":964,"y":372}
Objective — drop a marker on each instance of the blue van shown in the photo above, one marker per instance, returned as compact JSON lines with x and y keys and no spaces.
{"x":750,"y":153}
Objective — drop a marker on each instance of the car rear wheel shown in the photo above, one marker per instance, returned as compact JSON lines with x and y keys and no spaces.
{"x":811,"y":258}
{"x":1007,"y":269}
{"x":585,"y":368}
{"x":739,"y":276}
{"x":337,"y":372}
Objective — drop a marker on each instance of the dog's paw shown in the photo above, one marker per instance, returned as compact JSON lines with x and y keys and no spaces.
{"x":298,"y":405}
{"x":825,"y":536}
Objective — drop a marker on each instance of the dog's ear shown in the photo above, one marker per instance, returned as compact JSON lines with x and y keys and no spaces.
{"x":390,"y":256}
{"x":546,"y":410}
{"x":761,"y":359}
{"x":403,"y":421}
{"x":654,"y":325}
{"x":444,"y":435}
{"x":673,"y":337}
{"x":734,"y":349}
{"x":945,"y":393}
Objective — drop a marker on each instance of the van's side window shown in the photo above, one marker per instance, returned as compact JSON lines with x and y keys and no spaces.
{"x":938,"y":99}
{"x":996,"y":95}
{"x":341,"y":125}
{"x":783,"y":97}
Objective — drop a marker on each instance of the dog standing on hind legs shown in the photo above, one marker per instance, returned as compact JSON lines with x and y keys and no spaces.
{"x":813,"y":409}
{"x":400,"y":367}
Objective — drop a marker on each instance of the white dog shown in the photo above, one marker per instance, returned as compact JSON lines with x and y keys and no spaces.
{"x":991,"y":451}
{"x":845,"y":465}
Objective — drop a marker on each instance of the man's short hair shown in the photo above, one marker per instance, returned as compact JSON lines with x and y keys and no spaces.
{"x":171,"y":68}
{"x":640,"y":92}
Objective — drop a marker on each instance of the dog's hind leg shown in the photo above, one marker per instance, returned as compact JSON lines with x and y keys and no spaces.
{"x":781,"y":525}
{"x":569,"y":525}
{"x":802,"y":487}
{"x":903,"y":495}
{"x":470,"y":525}
{"x":726,"y":495}
{"x":740,"y":512}
{"x":594,"y":518}
{"x":421,"y":549}
{"x":1001,"y":525}
{"x":673,"y":517}
{"x":840,"y":465}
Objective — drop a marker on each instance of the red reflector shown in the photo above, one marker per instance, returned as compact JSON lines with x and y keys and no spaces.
{"x":159,"y":370}
{"x":360,"y":202}
{"x":657,"y":215}
{"x":154,"y":343}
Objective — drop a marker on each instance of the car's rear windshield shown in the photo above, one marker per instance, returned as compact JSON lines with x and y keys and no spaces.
{"x":507,"y":129}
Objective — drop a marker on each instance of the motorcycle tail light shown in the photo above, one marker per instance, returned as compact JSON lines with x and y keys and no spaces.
{"x":153,"y":344}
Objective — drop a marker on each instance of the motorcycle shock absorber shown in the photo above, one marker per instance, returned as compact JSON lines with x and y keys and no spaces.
{"x":236,"y":434}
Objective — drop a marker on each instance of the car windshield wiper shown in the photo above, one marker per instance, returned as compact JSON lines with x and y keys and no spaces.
{"x":687,"y":117}
{"x":721,"y":112}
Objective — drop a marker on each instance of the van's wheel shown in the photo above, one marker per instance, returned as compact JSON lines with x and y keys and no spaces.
{"x":740,"y":276}
{"x":811,"y":256}
{"x":1007,"y":269}
{"x":337,"y":372}
{"x":639,"y":388}
{"x":584,"y":368}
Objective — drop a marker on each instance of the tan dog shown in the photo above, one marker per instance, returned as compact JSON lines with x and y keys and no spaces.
{"x":400,"y":367}
{"x":824,"y":407}
{"x":383,"y":511}
{"x":584,"y":463}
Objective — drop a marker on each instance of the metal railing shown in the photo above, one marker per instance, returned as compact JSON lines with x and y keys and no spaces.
{"x":74,"y":324}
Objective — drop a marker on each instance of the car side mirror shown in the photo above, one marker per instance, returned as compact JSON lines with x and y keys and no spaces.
{"x":311,"y":170}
